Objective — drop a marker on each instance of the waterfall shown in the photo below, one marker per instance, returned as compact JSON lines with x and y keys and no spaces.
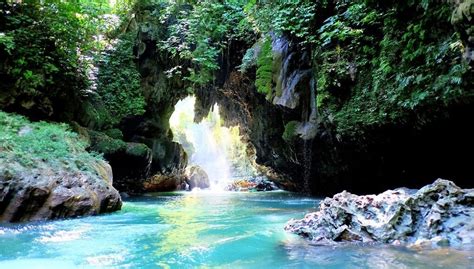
{"x":295,"y":87}
{"x":308,"y":130}
{"x":308,"y":127}
{"x":307,"y":163}
{"x":215,"y":148}
{"x":209,"y":153}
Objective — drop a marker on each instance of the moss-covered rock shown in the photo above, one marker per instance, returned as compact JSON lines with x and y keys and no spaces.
{"x":263,"y":81}
{"x":46,"y":173}
{"x":290,"y":131}
{"x":105,"y":144}
{"x":138,"y":149}
{"x":130,"y":161}
{"x":114,"y":133}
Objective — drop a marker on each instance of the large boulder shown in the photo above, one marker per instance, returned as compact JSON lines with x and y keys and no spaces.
{"x":47,"y":193}
{"x":148,"y":164}
{"x":440,"y":214}
{"x":163,"y":183}
{"x":130,"y":161}
{"x":46,"y":173}
{"x":196,"y":177}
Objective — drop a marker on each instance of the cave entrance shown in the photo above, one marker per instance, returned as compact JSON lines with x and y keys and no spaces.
{"x":217,"y":149}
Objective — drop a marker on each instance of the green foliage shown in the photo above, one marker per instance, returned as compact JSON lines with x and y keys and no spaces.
{"x":263,"y":80}
{"x":45,"y":48}
{"x":39,"y":44}
{"x":290,"y":131}
{"x":7,"y":42}
{"x":119,"y":81}
{"x":114,"y":133}
{"x":295,"y":17}
{"x":374,"y":63}
{"x":381,"y":64}
{"x":106,"y":145}
{"x":249,"y":60}
{"x":42,"y":143}
{"x":138,"y":149}
{"x":50,"y":48}
{"x":198,"y":33}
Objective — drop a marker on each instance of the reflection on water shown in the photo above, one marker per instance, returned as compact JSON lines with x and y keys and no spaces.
{"x":189,"y":230}
{"x":181,"y":215}
{"x":377,"y":256}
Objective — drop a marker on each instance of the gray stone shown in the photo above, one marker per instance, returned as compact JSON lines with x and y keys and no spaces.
{"x":438,"y":214}
{"x":45,"y":193}
{"x":258,"y":183}
{"x":196,"y":177}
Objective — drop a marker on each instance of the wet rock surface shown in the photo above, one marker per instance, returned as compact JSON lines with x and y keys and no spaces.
{"x":161,"y":183}
{"x":252,"y":184}
{"x":47,"y":193}
{"x":260,"y":124}
{"x":438,"y":214}
{"x":376,"y":155}
{"x":196,"y":177}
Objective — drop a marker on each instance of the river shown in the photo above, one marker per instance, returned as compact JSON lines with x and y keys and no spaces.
{"x":201,"y":230}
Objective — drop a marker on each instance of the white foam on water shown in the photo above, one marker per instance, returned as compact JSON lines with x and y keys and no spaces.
{"x":107,"y":259}
{"x":65,"y":236}
{"x":39,"y":264}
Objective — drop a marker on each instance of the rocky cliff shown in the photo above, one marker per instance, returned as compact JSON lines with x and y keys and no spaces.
{"x":362,"y":96}
{"x":262,"y":118}
{"x":345,"y":111}
{"x":332,"y":119}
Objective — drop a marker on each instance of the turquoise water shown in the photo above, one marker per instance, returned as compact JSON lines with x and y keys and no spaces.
{"x":201,"y":230}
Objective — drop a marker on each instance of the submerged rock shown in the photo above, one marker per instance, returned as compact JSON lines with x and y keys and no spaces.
{"x":46,"y":193}
{"x":438,"y":214}
{"x":196,"y":177}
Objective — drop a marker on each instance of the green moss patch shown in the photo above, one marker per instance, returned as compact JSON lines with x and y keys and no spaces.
{"x":33,"y":144}
{"x":290,"y":130}
{"x":264,"y":68}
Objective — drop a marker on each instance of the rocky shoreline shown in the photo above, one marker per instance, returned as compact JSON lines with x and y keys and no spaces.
{"x":44,"y":193}
{"x":46,"y":173}
{"x":439,"y":214}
